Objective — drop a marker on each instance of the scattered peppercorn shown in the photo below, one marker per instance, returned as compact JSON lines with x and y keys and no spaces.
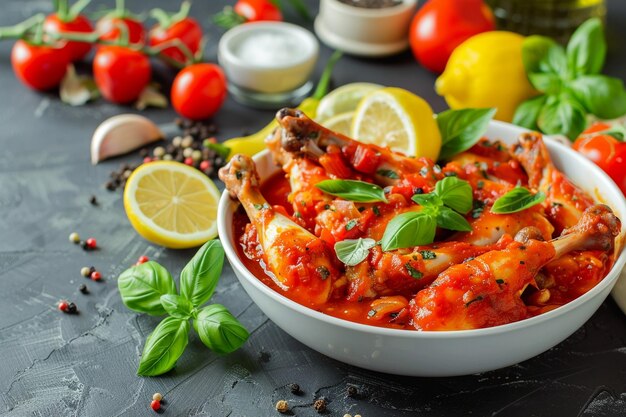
{"x":84,"y":245}
{"x":71,"y":308}
{"x":155,"y":405}
{"x":352,"y":391}
{"x":320,"y":405}
{"x":282,"y":406}
{"x":83,"y":288}
{"x":93,"y":200}
{"x":96,"y":276}
{"x":347,"y":415}
{"x":85,"y":271}
{"x":142,"y":259}
{"x":264,"y":356}
{"x":91,"y":269}
{"x":91,"y":243}
{"x":159,"y":151}
{"x":294,"y":388}
{"x":157,"y":396}
{"x":62,"y":305}
{"x":74,"y":237}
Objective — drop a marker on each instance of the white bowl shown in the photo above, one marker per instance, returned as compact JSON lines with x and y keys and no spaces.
{"x":365,"y":32}
{"x":273,"y":77}
{"x":429,"y":353}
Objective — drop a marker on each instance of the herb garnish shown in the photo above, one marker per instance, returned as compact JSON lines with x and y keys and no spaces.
{"x":570,"y":81}
{"x":149,"y":288}
{"x":353,"y":190}
{"x":353,"y":251}
{"x":427,"y":254}
{"x":413,"y":272}
{"x":439,"y":208}
{"x":518,"y":199}
{"x":388,"y":173}
{"x":462,"y":129}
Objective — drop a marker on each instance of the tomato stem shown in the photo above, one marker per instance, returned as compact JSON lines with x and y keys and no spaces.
{"x":175,"y":43}
{"x":76,"y":9}
{"x":324,"y":82}
{"x":166,"y":19}
{"x":20,"y":30}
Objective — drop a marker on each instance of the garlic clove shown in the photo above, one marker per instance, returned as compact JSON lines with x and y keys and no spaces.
{"x":121,"y":134}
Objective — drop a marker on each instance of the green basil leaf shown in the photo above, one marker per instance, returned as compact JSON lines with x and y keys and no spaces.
{"x":563,"y":116}
{"x":455,"y":193}
{"x":527,"y":112}
{"x":427,"y":200}
{"x":541,"y":54}
{"x":200,"y":276}
{"x":409,"y":229}
{"x":142,"y":286}
{"x":546,"y":82}
{"x":451,"y":220}
{"x":586,"y":49}
{"x":177,"y":306}
{"x":219,"y":330}
{"x":461,"y":129}
{"x":602,"y":96}
{"x":353,"y":251}
{"x":517,"y":199}
{"x":164,"y":346}
{"x":352,"y":190}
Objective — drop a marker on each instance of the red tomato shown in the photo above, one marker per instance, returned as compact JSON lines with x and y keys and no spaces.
{"x":121,"y":73}
{"x":601,"y":149}
{"x":76,"y":50}
{"x":442,"y":25}
{"x":189,"y":32}
{"x":38,"y":66}
{"x":616,"y":168}
{"x":257,"y":10}
{"x":199,"y":91}
{"x":109,"y":27}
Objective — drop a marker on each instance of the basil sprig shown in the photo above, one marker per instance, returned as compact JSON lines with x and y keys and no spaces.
{"x":570,"y":81}
{"x":353,"y":190}
{"x":518,"y":199}
{"x":461,"y":129}
{"x":353,"y":251}
{"x":443,"y":207}
{"x":149,"y":288}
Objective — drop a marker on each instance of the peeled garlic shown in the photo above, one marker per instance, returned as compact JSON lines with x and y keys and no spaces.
{"x":121,"y":134}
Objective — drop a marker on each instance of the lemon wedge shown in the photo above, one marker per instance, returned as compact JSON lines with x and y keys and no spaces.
{"x":341,"y":123}
{"x":172,"y":204}
{"x":343,"y":99}
{"x":398,"y":119}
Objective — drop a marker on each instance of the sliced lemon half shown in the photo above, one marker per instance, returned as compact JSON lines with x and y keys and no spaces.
{"x":341,"y":123}
{"x":397,"y":119}
{"x":343,"y":99}
{"x":172,"y":204}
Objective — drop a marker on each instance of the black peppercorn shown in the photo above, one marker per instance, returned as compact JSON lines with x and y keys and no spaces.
{"x":295,"y":388}
{"x":83,"y":288}
{"x":71,"y":308}
{"x":352,"y":391}
{"x":93,"y":200}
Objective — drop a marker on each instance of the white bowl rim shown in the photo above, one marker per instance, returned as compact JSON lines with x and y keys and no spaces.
{"x":225,"y":232}
{"x":381,"y":12}
{"x":225,"y":47}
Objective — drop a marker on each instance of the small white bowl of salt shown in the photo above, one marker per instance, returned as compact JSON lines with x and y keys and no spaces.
{"x":268,"y":64}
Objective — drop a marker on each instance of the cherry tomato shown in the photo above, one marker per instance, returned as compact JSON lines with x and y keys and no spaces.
{"x":601,"y":149}
{"x":76,"y":50}
{"x":616,"y":168}
{"x":257,"y":10}
{"x":121,"y":73}
{"x":187,"y":30}
{"x":199,"y":91}
{"x":109,"y":27}
{"x":40,"y":67}
{"x":442,"y":25}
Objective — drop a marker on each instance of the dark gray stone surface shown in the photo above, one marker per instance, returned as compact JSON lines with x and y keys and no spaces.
{"x":53,"y":364}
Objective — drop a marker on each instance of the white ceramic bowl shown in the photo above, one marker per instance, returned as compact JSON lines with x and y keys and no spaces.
{"x":429,"y":353}
{"x":273,"y":77}
{"x":365,"y":32}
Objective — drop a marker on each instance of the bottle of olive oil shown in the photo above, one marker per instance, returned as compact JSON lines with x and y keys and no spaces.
{"x":555,"y":18}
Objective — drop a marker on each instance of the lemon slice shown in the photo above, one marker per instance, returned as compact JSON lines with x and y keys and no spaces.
{"x":172,"y":204}
{"x":343,"y":99}
{"x":397,"y":119}
{"x":341,"y":123}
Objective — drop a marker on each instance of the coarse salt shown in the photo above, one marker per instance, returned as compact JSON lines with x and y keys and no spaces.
{"x":270,"y":49}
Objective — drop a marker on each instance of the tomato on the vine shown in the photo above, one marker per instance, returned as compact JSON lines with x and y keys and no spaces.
{"x":121,"y":73}
{"x":56,"y":24}
{"x":442,"y":25}
{"x":109,"y":26}
{"x":187,"y":30}
{"x":199,"y":91}
{"x":258,"y":10}
{"x":40,"y":67}
{"x":599,"y":143}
